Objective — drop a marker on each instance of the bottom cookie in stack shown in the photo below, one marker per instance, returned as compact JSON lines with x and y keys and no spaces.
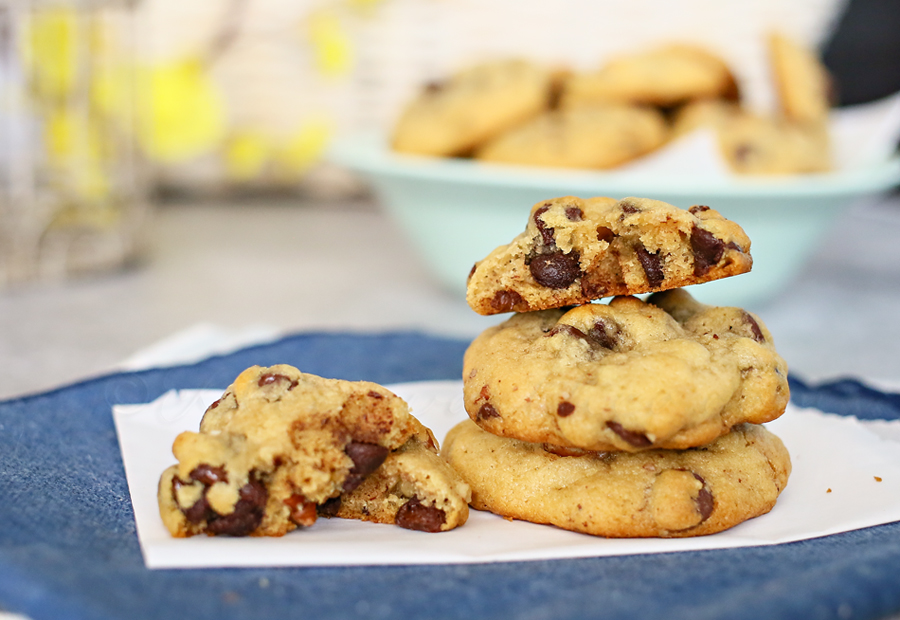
{"x":631,"y":419}
{"x":664,"y":493}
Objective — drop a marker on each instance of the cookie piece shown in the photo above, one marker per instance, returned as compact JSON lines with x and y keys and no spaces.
{"x":666,"y":76}
{"x":802,"y":82}
{"x":631,"y":376}
{"x":575,"y":250}
{"x":280,"y":445}
{"x":454,"y":117}
{"x":660,"y":493}
{"x":755,"y":144}
{"x":595,"y":137}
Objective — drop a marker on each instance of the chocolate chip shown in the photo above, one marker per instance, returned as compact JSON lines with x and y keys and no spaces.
{"x":636,"y":439}
{"x":652,"y":265}
{"x":215,"y":404}
{"x":303,"y":511}
{"x":704,"y":500}
{"x":330,"y":507}
{"x":375,"y":395}
{"x":487,"y":411}
{"x":568,"y":330}
{"x":708,"y":250}
{"x":555,"y":270}
{"x":605,"y":234}
{"x":472,"y":272}
{"x":743,"y":152}
{"x":698,"y":209}
{"x":199,"y":512}
{"x":273,"y":377}
{"x":209,"y":475}
{"x":366,"y":457}
{"x":507,"y":301}
{"x":565,"y":408}
{"x":754,"y":328}
{"x":731,"y":245}
{"x":605,"y":334}
{"x":574,"y":214}
{"x":630,"y":208}
{"x":546,"y":232}
{"x":248,"y":511}
{"x":434,"y":87}
{"x":414,"y":515}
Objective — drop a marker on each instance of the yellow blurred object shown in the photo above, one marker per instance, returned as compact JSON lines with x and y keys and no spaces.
{"x":305,"y":147}
{"x":51,"y":51}
{"x":75,"y":154}
{"x":181,"y":113}
{"x":246,"y":155}
{"x":332,"y":47}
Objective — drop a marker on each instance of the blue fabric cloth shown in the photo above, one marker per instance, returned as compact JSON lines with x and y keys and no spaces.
{"x":68,"y":547}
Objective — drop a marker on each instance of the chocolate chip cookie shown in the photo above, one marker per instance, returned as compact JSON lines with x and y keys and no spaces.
{"x":755,"y":144}
{"x":453,"y":117}
{"x":596,"y":137}
{"x":666,"y":76}
{"x":802,"y":82}
{"x":573,"y":251}
{"x":281,"y":446}
{"x":659,"y":493}
{"x":631,"y":375}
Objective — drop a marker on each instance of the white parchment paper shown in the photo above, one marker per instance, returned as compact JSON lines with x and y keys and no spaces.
{"x":846,"y":476}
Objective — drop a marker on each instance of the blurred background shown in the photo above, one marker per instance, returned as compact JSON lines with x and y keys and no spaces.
{"x":108,"y":105}
{"x":114,"y":112}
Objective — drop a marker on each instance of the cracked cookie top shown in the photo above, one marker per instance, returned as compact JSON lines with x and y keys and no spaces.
{"x":576,"y":250}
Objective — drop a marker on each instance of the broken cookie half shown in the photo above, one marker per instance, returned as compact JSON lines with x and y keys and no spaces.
{"x":282,"y":447}
{"x":576,"y":250}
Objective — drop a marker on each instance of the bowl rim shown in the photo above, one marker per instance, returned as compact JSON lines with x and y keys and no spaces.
{"x":368,"y":153}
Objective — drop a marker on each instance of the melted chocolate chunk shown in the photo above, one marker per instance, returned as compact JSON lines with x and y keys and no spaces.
{"x":704,"y":500}
{"x":273,"y":377}
{"x":630,"y":208}
{"x":555,"y":270}
{"x":209,"y":475}
{"x":366,"y":457}
{"x":754,"y":328}
{"x":414,"y":515}
{"x":471,"y":272}
{"x":248,"y":511}
{"x":708,"y":250}
{"x":487,"y":411}
{"x":375,"y":395}
{"x":507,"y":301}
{"x":636,"y":439}
{"x":547,"y":236}
{"x":698,"y":209}
{"x":565,"y":408}
{"x":330,"y":507}
{"x":569,"y":330}
{"x":605,"y":334}
{"x":652,"y":265}
{"x":574,"y":214}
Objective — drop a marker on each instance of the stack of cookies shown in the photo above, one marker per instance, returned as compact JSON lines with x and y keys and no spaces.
{"x":627,"y":419}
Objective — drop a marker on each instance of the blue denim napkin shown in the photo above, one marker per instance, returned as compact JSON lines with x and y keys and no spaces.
{"x":68,"y":547}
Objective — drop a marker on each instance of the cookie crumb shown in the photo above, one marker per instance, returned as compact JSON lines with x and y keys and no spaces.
{"x":828,"y":491}
{"x":877,"y":478}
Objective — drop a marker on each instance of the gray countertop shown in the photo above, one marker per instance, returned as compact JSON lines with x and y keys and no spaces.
{"x":303,"y":265}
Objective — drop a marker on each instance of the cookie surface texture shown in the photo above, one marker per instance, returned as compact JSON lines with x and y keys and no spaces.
{"x":595,"y":137}
{"x":665,"y":76}
{"x":576,"y":250}
{"x":454,"y":117}
{"x":631,"y":375}
{"x":660,"y":493}
{"x":280,"y":446}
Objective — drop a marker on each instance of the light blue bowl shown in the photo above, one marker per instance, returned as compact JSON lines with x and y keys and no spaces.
{"x":455,"y":211}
